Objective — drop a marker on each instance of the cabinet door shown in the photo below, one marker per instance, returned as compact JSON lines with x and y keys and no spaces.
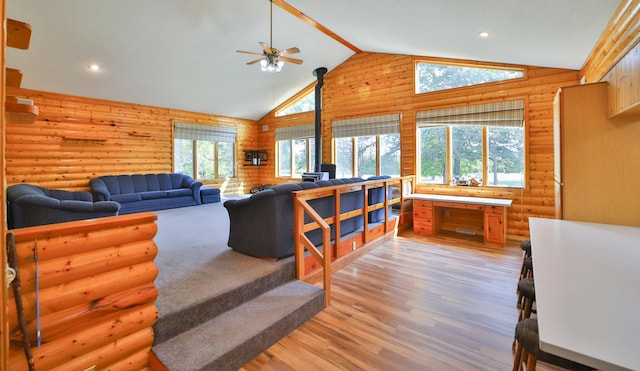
{"x":494,"y":227}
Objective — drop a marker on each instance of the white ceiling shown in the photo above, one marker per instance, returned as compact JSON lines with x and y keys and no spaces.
{"x":182,"y":53}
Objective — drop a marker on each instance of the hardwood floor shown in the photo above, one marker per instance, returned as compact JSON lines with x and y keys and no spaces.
{"x":414,"y":303}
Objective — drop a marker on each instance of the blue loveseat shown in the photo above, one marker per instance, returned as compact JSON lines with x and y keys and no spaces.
{"x":137,"y":193}
{"x":29,"y":205}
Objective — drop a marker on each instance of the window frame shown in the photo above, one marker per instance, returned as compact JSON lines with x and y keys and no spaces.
{"x":448,"y":181}
{"x":354,"y":153}
{"x":216,"y":159}
{"x":308,"y":160}
{"x":470,"y":64}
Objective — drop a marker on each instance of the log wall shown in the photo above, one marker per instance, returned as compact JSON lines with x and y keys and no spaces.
{"x":75,"y":139}
{"x":373,"y":84}
{"x":95,"y":291}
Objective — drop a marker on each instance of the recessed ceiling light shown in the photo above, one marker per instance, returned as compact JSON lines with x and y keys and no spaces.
{"x":483,"y":34}
{"x":94,"y":67}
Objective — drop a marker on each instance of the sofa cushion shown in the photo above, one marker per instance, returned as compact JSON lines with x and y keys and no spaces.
{"x":152,"y":195}
{"x":139,"y":183}
{"x":126,"y":184}
{"x":180,"y":192}
{"x":165,"y":182}
{"x":153,"y":183}
{"x":127,"y":197}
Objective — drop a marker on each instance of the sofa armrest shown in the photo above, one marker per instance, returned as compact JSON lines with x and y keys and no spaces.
{"x":100,"y":190}
{"x":194,"y":185}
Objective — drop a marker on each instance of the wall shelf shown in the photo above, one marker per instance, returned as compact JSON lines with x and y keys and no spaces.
{"x":255,"y":157}
{"x":140,"y":134}
{"x":84,"y":137}
{"x":17,"y":112}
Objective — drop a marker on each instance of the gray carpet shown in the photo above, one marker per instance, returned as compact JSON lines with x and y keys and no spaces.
{"x":194,"y":260}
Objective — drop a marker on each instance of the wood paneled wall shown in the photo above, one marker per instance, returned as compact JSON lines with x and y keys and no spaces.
{"x":371,"y":84}
{"x":94,"y":286}
{"x":75,"y":139}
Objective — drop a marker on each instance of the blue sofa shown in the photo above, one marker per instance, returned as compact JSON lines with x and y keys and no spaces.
{"x":262,"y":225}
{"x":137,"y":193}
{"x":29,"y":205}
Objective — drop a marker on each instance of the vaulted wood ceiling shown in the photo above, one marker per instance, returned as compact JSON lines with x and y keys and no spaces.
{"x":182,"y":54}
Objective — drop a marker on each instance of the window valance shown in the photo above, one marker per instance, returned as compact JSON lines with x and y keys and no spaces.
{"x":366,"y":126}
{"x":295,"y":132}
{"x":204,"y":132}
{"x":506,"y":113}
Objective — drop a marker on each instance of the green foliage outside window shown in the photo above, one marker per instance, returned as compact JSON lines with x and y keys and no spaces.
{"x":434,"y":76}
{"x":205,"y":158}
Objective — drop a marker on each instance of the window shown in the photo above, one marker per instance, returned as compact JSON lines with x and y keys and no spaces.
{"x":367,"y":146}
{"x":482,"y":142}
{"x":304,"y":104}
{"x":204,"y":152}
{"x":296,"y":150}
{"x":436,"y":76}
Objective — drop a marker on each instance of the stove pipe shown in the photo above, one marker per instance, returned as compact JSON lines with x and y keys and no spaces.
{"x":319,"y":73}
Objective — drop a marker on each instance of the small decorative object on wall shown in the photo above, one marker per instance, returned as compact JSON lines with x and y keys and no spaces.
{"x":255,"y":157}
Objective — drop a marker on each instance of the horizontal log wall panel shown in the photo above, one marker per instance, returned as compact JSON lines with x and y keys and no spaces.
{"x":75,"y":139}
{"x":94,"y":288}
{"x":115,"y":352}
{"x":370,"y":84}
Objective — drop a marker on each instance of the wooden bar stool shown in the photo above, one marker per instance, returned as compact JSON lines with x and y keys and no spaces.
{"x":527,"y":291}
{"x":529,"y":352}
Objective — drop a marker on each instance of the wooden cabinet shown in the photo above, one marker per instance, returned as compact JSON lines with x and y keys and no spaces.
{"x":423,"y":217}
{"x":597,"y":159}
{"x":464,"y":214}
{"x":494,"y":229}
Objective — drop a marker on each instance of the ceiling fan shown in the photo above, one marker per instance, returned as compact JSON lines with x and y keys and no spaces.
{"x":273,"y":59}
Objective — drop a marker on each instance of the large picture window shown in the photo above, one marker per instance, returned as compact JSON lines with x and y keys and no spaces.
{"x":482,"y":142}
{"x":204,"y":152}
{"x":296,"y":150}
{"x":367,"y":146}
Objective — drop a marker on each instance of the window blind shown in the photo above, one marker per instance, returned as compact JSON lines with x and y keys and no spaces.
{"x":204,"y":132}
{"x":295,"y":132}
{"x":506,"y":113}
{"x":366,"y":126}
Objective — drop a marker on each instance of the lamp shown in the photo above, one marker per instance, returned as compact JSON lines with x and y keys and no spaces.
{"x":271,"y":64}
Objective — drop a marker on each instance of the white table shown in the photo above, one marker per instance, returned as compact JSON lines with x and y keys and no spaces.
{"x":587,"y":279}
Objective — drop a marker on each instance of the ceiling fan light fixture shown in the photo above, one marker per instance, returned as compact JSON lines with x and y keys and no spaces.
{"x":268,"y":65}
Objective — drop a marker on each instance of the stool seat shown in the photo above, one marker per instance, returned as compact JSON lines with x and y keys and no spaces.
{"x":527,"y":288}
{"x":209,"y":195}
{"x":526,"y":247}
{"x":528,"y":337}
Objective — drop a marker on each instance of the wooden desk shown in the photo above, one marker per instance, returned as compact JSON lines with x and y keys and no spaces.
{"x":428,"y":213}
{"x":588,"y":291}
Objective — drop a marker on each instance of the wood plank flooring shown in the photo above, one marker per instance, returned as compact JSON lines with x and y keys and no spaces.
{"x":413,"y":303}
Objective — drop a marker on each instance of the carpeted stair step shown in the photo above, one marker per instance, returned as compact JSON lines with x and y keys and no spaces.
{"x":230,"y":340}
{"x":237,"y":292}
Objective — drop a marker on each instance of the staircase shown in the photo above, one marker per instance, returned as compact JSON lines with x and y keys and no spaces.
{"x":228,"y":330}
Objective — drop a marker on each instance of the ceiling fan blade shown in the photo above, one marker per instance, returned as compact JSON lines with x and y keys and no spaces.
{"x":255,"y":61}
{"x":289,"y":51}
{"x":242,"y":51}
{"x":291,"y":60}
{"x":266,"y":47}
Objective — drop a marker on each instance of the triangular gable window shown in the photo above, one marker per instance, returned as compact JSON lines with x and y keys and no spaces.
{"x":305,"y":104}
{"x":437,"y":76}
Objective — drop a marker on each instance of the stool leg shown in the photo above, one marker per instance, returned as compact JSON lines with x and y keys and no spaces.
{"x":517,"y":358}
{"x":531,"y":363}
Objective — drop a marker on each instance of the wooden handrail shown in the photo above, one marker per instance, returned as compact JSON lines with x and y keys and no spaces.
{"x":302,"y":207}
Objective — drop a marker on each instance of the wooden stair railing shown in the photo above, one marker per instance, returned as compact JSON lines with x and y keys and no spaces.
{"x":328,"y":253}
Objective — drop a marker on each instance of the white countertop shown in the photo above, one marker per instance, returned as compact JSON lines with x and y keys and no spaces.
{"x":461,"y":199}
{"x":587,"y":279}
